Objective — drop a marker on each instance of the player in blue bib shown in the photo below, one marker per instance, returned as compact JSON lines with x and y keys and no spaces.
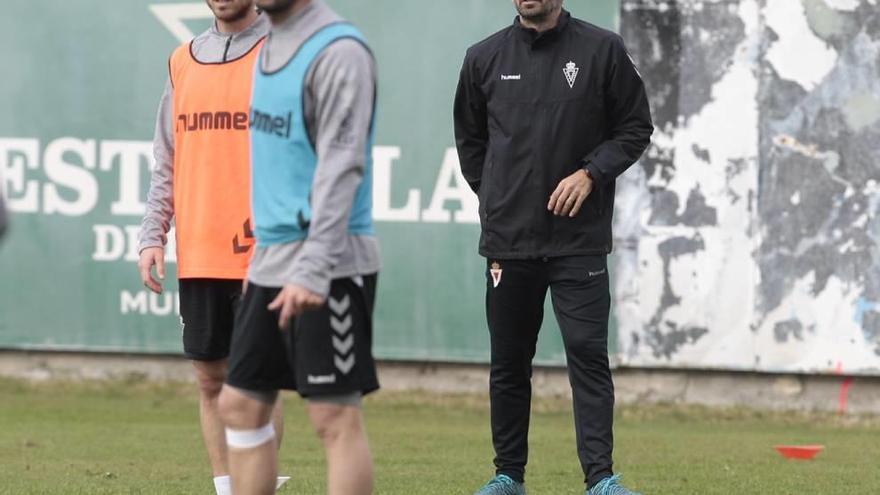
{"x":305,"y":321}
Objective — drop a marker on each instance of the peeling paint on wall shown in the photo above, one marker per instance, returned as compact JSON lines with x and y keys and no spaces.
{"x":748,"y":237}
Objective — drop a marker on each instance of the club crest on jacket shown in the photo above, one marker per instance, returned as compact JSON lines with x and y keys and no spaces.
{"x":571,"y":73}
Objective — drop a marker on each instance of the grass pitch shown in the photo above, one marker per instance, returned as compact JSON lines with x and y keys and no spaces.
{"x":130,"y":437}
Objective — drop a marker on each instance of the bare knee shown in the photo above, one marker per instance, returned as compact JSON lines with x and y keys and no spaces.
{"x":238,"y":410}
{"x":209,"y":377}
{"x":333,"y":421}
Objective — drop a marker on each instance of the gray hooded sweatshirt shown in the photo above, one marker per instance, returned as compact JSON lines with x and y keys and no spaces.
{"x":339,"y":85}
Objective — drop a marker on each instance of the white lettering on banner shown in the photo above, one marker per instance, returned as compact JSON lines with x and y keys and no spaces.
{"x":16,"y":156}
{"x":162,"y":304}
{"x":115,"y":243}
{"x":452,"y":186}
{"x":146,"y":302}
{"x":132,"y":157}
{"x":133,"y":303}
{"x":70,"y":186}
{"x":70,"y":175}
{"x":383,"y":159}
{"x":109,"y":243}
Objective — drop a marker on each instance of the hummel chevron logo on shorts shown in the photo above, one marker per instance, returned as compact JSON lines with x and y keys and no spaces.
{"x":343,"y":338}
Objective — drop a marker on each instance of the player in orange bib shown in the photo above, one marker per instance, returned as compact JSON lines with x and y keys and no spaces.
{"x":202,"y":181}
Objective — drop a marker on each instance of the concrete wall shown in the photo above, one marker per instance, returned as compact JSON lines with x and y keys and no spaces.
{"x":759,"y":391}
{"x":748,"y":238}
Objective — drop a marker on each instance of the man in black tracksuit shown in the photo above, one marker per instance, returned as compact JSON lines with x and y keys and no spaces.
{"x":548,"y":112}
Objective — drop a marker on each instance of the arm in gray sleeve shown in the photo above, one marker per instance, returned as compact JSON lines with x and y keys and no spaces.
{"x":160,"y":199}
{"x":342,"y":84}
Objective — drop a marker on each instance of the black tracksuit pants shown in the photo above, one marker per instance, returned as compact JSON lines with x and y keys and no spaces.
{"x":515,"y":294}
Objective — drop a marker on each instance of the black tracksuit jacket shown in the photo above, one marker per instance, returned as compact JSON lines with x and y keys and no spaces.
{"x":531,"y":109}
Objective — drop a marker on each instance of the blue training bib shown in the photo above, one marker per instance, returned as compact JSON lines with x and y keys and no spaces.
{"x":283,"y":159}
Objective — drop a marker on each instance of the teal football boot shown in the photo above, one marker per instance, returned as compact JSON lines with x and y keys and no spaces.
{"x":502,"y":485}
{"x":610,"y":486}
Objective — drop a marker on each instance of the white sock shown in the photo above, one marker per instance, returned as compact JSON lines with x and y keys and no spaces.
{"x":223,"y":485}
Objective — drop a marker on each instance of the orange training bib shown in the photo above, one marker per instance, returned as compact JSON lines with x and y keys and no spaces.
{"x":212,"y":164}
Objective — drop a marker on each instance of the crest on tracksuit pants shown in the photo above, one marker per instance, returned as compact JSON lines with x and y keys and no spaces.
{"x":495,"y":271}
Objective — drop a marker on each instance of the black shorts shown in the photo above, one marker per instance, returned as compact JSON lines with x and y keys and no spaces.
{"x":323,"y":352}
{"x":207,"y":312}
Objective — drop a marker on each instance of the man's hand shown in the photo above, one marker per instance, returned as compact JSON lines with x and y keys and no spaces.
{"x":149,"y":257}
{"x":570,"y":194}
{"x":294,"y":300}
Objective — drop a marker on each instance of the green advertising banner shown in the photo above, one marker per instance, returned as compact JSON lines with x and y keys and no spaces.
{"x":78,"y":98}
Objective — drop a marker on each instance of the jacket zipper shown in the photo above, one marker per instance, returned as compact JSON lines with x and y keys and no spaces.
{"x":226,"y":50}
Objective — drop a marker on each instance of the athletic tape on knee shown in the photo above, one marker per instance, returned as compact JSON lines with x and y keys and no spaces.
{"x":248,"y":439}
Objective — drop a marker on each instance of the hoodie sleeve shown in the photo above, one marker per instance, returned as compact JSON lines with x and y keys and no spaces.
{"x":628,"y":114}
{"x":342,"y":84}
{"x":160,"y":199}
